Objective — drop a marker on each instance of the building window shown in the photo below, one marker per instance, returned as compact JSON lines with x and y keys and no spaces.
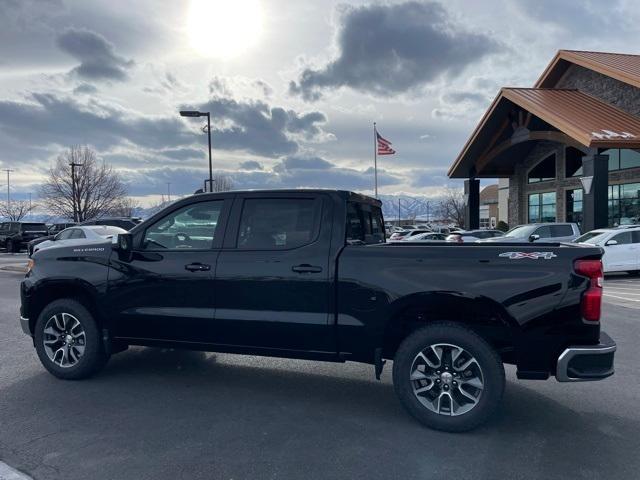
{"x":543,"y":171}
{"x":574,"y":206}
{"x":624,"y":204}
{"x":620,"y":159}
{"x":542,"y":207}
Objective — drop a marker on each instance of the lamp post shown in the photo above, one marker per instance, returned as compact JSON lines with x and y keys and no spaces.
{"x":195,"y":113}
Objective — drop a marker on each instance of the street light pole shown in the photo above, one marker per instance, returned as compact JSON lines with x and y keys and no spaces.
{"x":8,"y":170}
{"x":73,"y":190}
{"x":195,"y":113}
{"x":210,"y":165}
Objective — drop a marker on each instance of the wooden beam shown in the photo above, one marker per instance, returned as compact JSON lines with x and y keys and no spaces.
{"x":551,"y":136}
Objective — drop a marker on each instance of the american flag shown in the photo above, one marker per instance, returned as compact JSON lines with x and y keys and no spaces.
{"x":384,"y":146}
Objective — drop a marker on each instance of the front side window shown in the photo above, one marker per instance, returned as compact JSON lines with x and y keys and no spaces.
{"x":191,"y":227}
{"x":278,"y":223}
{"x":543,"y":232}
{"x":623,"y":238}
{"x":77,"y":233}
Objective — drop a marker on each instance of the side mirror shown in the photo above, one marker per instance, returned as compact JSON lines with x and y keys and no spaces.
{"x":124,"y":246}
{"x":611,"y":242}
{"x":534,"y":237}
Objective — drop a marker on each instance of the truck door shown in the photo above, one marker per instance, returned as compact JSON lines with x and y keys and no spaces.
{"x":273,"y":275}
{"x":166,"y":291}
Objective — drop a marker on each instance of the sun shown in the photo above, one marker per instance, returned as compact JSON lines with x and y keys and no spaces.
{"x":224,"y":28}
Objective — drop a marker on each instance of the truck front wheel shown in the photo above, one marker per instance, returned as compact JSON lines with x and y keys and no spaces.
{"x":68,"y":340}
{"x":448,"y":377}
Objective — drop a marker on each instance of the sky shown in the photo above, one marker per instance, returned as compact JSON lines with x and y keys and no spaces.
{"x":293,"y":87}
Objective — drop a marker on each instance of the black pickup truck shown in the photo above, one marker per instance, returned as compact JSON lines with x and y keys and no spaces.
{"x":306,"y":274}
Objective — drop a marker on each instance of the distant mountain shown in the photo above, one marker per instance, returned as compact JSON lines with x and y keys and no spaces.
{"x":411,"y":206}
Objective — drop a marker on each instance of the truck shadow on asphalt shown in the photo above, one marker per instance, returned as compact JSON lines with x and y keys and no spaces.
{"x":195,"y":405}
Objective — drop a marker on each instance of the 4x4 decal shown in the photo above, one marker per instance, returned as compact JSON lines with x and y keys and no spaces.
{"x":534,"y":255}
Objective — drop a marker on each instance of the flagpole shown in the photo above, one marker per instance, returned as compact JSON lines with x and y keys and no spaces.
{"x":375,"y":159}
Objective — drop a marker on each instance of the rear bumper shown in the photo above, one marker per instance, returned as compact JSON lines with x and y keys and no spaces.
{"x":587,"y":362}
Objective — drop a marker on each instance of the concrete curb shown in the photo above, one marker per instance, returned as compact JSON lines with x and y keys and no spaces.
{"x":18,"y":267}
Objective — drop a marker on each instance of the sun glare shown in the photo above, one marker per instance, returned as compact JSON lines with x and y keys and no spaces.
{"x":224,"y":28}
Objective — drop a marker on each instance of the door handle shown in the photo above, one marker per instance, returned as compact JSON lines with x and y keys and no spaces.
{"x":197,"y":267}
{"x":306,"y":268}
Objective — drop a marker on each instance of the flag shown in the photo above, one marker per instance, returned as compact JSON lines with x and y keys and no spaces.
{"x":384,"y":145}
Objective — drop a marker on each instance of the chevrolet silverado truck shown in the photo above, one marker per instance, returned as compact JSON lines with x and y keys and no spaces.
{"x":306,"y":274}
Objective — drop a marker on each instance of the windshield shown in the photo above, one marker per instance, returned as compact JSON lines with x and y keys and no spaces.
{"x":521,"y":231}
{"x":591,"y":238}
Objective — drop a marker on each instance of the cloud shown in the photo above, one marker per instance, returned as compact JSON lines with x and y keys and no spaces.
{"x":255,"y":127}
{"x":250,"y":165}
{"x":85,"y":88}
{"x":387,"y":50}
{"x":97,"y":57}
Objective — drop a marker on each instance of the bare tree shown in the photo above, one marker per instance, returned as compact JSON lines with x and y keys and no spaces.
{"x":222,"y":183}
{"x":98,"y":189}
{"x":16,"y":210}
{"x":126,"y":207}
{"x":452,"y":206}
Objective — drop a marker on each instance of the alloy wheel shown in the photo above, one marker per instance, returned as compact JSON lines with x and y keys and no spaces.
{"x":446,"y":379}
{"x":64,"y":340}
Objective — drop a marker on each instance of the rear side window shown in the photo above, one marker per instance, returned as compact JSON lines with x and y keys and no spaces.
{"x":561,"y":230}
{"x":365,"y":224}
{"x":278,"y":223}
{"x":636,"y":237}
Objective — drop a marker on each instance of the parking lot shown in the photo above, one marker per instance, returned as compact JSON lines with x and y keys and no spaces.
{"x":171,"y":414}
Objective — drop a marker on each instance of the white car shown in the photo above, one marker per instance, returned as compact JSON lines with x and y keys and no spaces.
{"x":428,"y":237}
{"x":81,"y":235}
{"x":621,"y":247}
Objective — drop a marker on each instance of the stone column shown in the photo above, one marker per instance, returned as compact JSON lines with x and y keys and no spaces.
{"x":472,"y":209}
{"x":595,"y":200}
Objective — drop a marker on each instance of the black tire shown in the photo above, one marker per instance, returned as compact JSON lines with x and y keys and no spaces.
{"x":94,"y":357}
{"x":492,"y":371}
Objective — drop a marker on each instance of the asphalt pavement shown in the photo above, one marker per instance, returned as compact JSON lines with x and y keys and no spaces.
{"x":162,"y":414}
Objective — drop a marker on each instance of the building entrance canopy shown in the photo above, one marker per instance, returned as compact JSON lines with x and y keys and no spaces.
{"x":519,"y":117}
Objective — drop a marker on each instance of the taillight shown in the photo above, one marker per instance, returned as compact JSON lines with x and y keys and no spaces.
{"x":592,"y":298}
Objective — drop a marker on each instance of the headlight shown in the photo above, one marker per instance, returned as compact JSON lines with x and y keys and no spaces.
{"x":30,"y":264}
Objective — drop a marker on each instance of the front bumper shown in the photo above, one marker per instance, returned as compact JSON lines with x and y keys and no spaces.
{"x":587,"y":362}
{"x":24,"y":323}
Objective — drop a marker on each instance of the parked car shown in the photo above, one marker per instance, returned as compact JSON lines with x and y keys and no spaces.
{"x":52,"y":231}
{"x":302,"y":274}
{"x":621,"y":247}
{"x":123,"y":222}
{"x":539,"y":232}
{"x":428,"y":237}
{"x":473,"y":235}
{"x":58,"y":227}
{"x":405,"y":235}
{"x":79,"y":235}
{"x":15,"y":236}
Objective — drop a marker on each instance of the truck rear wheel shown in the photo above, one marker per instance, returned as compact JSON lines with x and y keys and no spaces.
{"x":448,"y":377}
{"x":68,"y":340}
